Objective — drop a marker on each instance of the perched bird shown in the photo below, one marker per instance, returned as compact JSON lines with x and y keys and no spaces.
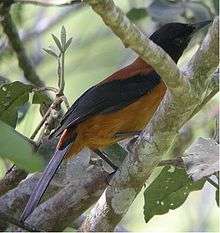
{"x":115,"y":108}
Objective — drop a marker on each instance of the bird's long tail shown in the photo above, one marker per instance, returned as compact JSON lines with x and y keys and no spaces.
{"x":44,"y":181}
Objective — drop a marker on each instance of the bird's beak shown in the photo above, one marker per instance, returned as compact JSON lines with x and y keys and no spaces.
{"x":200,"y":25}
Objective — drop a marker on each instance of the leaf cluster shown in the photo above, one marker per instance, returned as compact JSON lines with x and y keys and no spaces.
{"x":62,"y":44}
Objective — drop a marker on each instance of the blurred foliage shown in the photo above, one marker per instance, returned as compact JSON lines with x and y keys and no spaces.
{"x":189,"y":11}
{"x":137,"y":14}
{"x":40,"y":97}
{"x":168,"y":191}
{"x":94,"y":54}
{"x":165,"y":11}
{"x":15,"y":148}
{"x":12,"y":96}
{"x":17,"y":11}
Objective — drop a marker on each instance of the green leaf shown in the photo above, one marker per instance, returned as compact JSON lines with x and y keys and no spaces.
{"x":50,"y":52}
{"x":168,"y":191}
{"x":63,"y":36}
{"x":14,"y":147}
{"x":40,"y":97}
{"x":68,"y":44}
{"x":12,"y":96}
{"x":136,"y":14}
{"x":22,"y":111}
{"x":217,"y":196}
{"x":57,"y":42}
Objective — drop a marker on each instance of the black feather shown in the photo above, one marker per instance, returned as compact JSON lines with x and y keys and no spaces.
{"x":108,"y":97}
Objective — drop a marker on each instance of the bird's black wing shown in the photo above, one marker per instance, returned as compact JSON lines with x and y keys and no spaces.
{"x":108,"y":97}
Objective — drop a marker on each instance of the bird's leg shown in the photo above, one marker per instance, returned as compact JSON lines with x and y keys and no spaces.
{"x":127,"y":134}
{"x":103,"y":155}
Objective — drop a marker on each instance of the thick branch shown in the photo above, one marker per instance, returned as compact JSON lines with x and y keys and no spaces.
{"x":72,"y":188}
{"x":133,"y":38}
{"x":11,"y":180}
{"x":15,"y":222}
{"x":76,"y":197}
{"x":205,"y":60}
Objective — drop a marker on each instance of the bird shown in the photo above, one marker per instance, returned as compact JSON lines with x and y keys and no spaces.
{"x":114,"y":109}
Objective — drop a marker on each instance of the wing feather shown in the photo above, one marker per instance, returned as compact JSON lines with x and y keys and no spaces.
{"x":108,"y":97}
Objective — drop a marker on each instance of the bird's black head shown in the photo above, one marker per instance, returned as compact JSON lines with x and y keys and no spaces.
{"x":175,"y":37}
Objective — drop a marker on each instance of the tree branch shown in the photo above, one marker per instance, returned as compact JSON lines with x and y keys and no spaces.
{"x":199,"y":66}
{"x":12,"y":220}
{"x":11,"y":180}
{"x":77,"y":197}
{"x":177,"y":162}
{"x":24,"y":63}
{"x":72,"y":187}
{"x":212,"y":90}
{"x":133,"y":38}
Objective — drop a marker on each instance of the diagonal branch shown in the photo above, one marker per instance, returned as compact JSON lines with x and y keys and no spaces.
{"x":24,"y":63}
{"x":199,"y":66}
{"x":133,"y":38}
{"x":12,"y":220}
{"x":76,"y":197}
{"x":11,"y":180}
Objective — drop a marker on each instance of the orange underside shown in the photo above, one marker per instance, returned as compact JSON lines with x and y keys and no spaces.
{"x":99,"y":131}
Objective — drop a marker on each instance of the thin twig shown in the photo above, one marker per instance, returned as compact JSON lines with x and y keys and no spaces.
{"x":40,"y":124}
{"x":61,"y":77}
{"x":55,"y":105}
{"x":177,"y":162}
{"x":53,"y":89}
{"x":66,"y":102}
